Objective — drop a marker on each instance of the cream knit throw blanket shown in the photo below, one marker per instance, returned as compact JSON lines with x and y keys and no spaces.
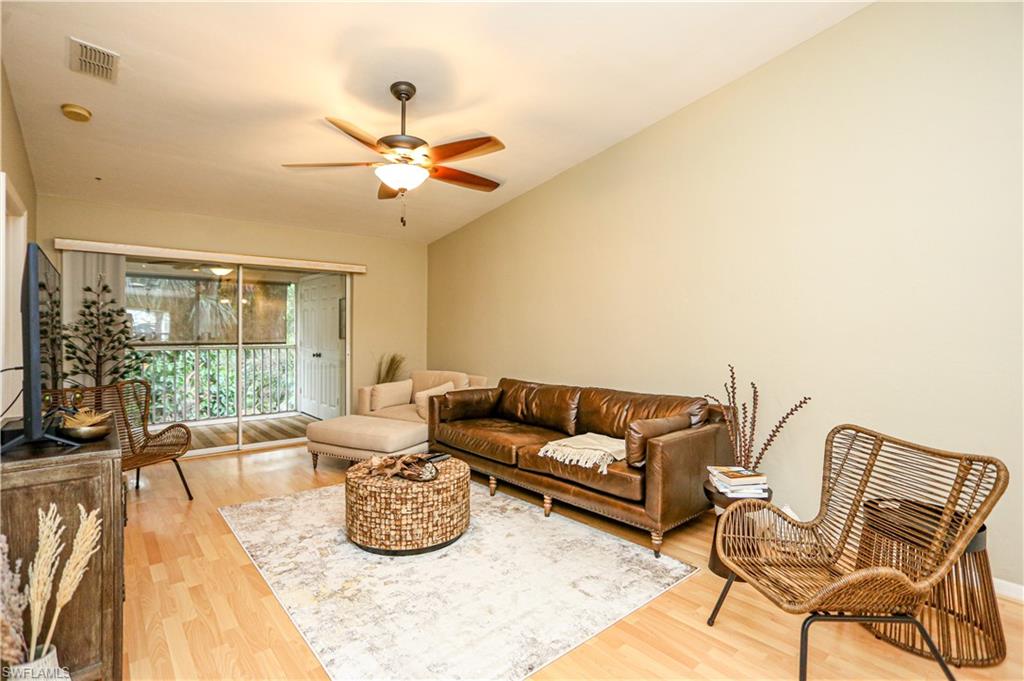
{"x":587,"y":450}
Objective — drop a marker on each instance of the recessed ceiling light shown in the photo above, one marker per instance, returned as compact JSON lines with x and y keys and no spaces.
{"x":76,"y":113}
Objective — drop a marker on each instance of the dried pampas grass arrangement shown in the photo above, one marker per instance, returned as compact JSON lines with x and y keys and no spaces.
{"x":86,"y":543}
{"x":39,"y":586}
{"x":41,"y":572}
{"x":12,"y":605}
{"x":390,"y":367}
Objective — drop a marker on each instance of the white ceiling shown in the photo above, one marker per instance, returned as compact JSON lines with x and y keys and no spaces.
{"x":212,"y":98}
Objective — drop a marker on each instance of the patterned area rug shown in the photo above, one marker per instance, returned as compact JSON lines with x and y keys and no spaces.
{"x":516,"y":591}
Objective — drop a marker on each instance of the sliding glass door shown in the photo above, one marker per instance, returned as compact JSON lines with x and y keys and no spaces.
{"x":241,"y":365}
{"x":270,"y":371}
{"x":186,"y":318}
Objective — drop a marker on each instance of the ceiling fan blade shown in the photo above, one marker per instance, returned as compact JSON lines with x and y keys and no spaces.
{"x":463,"y":179}
{"x":361,"y":136}
{"x":331,"y":165}
{"x":476,"y":146}
{"x":386,"y":192}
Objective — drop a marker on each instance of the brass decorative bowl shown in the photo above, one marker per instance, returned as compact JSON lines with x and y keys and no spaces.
{"x":86,"y":433}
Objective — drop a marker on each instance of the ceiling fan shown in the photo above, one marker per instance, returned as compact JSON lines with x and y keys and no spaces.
{"x":409,"y":160}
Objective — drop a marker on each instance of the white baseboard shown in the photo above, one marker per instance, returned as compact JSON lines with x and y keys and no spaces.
{"x":251,"y":447}
{"x":1008,"y":589}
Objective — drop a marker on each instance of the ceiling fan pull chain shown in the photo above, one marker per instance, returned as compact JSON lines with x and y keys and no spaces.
{"x":401,"y":195}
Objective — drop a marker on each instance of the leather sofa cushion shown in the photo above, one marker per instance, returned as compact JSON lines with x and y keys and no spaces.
{"x":604,"y":411}
{"x":638,"y":432}
{"x":491,"y":438}
{"x":515,"y":395}
{"x":554,"y":406}
{"x":609,"y":412}
{"x":473,"y":403}
{"x":659,"y":406}
{"x":622,"y":480}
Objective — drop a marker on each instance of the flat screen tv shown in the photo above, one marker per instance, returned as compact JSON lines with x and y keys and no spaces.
{"x":41,"y":346}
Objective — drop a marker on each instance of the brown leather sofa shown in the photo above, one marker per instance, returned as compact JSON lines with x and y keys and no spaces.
{"x":669,"y":440}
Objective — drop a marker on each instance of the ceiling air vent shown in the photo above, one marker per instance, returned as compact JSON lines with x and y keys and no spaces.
{"x":93,"y":60}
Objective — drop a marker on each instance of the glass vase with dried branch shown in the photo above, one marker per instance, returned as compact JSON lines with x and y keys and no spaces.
{"x":741,"y":422}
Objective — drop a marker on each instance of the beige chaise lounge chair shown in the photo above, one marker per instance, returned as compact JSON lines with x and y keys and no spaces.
{"x":390,"y":418}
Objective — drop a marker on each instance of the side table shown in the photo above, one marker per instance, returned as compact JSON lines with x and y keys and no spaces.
{"x":961,"y":612}
{"x":714,"y":561}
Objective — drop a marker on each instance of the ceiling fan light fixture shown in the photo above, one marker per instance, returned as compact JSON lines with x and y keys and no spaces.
{"x":221,"y":271}
{"x":401,"y":176}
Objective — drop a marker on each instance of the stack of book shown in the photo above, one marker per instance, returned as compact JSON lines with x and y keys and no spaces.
{"x":738,"y":483}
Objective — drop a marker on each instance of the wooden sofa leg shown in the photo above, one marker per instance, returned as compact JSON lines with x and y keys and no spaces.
{"x":547,"y":506}
{"x":656,"y":540}
{"x":492,"y":484}
{"x":316,"y":459}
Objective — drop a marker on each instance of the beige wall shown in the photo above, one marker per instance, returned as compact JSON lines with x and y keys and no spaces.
{"x":843,"y":222}
{"x":13,"y":157}
{"x":388,"y":302}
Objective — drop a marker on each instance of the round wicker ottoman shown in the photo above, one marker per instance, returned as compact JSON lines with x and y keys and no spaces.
{"x":397,"y":517}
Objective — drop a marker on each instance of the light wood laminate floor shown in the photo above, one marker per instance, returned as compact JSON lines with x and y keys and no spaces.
{"x":196,"y":607}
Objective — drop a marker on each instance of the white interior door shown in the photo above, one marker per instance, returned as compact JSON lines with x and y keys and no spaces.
{"x":329,"y":355}
{"x":309,"y":338}
{"x":321,"y":356}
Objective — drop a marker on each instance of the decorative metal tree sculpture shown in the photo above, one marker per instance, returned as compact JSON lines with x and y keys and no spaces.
{"x":98,"y":344}
{"x":51,"y":335}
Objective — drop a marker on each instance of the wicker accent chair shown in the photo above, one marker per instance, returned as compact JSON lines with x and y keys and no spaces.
{"x":129,"y":400}
{"x":148,"y":448}
{"x":894,"y":518}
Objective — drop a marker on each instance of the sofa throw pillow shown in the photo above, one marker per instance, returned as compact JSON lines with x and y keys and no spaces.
{"x":422,"y":398}
{"x":431,"y":378}
{"x":390,"y":394}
